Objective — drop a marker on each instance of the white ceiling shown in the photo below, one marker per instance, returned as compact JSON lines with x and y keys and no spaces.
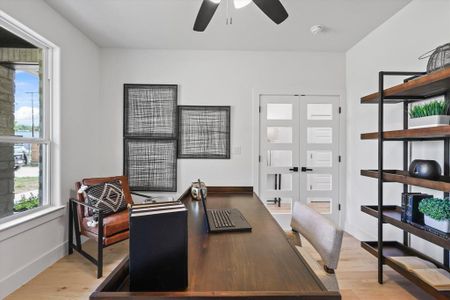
{"x":167,"y":24}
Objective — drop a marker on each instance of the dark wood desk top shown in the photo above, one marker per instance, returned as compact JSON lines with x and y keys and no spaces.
{"x":259,"y":264}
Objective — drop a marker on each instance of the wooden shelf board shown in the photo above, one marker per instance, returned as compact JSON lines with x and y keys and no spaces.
{"x":403,"y":177}
{"x":429,"y":85}
{"x":392,"y":215}
{"x":391,"y":248}
{"x":411,"y":134}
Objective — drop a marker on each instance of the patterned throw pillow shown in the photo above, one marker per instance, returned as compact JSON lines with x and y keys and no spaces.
{"x":108,"y":197}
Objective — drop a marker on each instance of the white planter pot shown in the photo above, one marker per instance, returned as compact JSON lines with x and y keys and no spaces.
{"x":430,"y":121}
{"x":443,"y":226}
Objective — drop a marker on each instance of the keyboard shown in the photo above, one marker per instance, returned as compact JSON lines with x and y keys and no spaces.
{"x":221,"y":218}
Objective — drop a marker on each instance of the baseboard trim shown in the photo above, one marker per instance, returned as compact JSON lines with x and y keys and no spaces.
{"x":29,"y":271}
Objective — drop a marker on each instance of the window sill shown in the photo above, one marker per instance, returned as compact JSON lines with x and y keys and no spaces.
{"x":25,"y":223}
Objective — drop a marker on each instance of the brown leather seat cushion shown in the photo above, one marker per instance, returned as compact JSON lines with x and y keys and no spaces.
{"x":112,"y":224}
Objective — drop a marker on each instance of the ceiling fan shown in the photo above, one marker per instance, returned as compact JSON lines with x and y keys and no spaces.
{"x":272,"y":8}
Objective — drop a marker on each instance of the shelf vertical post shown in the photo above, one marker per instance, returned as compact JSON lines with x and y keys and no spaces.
{"x":405,"y":162}
{"x":380,"y":175}
{"x":446,"y":260}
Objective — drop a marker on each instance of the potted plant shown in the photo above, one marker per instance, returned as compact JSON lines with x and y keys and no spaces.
{"x":434,"y":113}
{"x":437,"y":213}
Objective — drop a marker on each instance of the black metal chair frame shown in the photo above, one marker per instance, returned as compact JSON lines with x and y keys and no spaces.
{"x":73,"y":224}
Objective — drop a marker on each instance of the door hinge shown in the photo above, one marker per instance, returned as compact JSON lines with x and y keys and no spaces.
{"x":259,"y":158}
{"x":339,"y":206}
{"x":259,"y":109}
{"x":340,"y":110}
{"x":339,"y":158}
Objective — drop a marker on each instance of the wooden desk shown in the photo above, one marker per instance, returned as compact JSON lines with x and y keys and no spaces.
{"x":259,"y":264}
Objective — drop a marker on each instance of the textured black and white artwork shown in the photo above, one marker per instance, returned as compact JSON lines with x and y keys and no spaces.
{"x":151,"y":165}
{"x":150,"y":110}
{"x":204,"y":132}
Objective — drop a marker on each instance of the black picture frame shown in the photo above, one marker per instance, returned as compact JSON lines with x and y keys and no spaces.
{"x":204,"y":132}
{"x":150,"y":110}
{"x":151,"y":164}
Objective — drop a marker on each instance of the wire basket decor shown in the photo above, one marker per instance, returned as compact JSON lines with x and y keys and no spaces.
{"x":438,"y":59}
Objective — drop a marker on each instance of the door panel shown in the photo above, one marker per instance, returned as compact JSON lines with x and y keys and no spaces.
{"x":279,"y":151}
{"x":319,"y":153}
{"x":303,"y":132}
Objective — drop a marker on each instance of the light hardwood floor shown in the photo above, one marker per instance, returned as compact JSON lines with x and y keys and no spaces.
{"x":73,"y":277}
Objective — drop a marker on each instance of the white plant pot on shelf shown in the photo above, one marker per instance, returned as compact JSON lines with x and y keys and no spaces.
{"x":443,"y":226}
{"x":430,"y":121}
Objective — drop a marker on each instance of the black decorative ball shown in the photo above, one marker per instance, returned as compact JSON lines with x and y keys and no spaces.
{"x":427,"y":169}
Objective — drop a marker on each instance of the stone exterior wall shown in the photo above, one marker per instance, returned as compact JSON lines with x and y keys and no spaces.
{"x":6,"y":150}
{"x":20,"y":55}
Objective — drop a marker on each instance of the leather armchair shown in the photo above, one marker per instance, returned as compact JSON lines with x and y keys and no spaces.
{"x":110,"y":229}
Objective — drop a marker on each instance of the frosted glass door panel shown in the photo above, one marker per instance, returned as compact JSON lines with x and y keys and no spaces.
{"x":321,"y":205}
{"x":278,"y":154}
{"x":319,"y":182}
{"x":319,"y":159}
{"x":319,"y":112}
{"x":279,"y":111}
{"x":279,"y":135}
{"x":279,"y":158}
{"x":320,"y":135}
{"x":279,"y":182}
{"x":279,"y":205}
{"x":320,"y":154}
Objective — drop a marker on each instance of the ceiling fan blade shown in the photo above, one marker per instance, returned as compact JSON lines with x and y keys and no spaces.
{"x":273,"y":9}
{"x":205,"y":14}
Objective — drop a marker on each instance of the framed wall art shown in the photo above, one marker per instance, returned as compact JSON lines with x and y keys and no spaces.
{"x":151,"y":164}
{"x":204,"y":132}
{"x":150,"y":110}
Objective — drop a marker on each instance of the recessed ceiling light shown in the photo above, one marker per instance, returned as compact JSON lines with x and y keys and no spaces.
{"x":316,"y":29}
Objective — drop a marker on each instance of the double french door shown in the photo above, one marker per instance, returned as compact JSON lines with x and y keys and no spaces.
{"x":299,"y":154}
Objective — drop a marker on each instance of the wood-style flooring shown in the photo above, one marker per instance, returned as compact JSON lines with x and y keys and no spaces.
{"x":73,"y":277}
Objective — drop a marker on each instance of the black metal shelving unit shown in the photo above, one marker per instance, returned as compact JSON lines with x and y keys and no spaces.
{"x":417,"y":87}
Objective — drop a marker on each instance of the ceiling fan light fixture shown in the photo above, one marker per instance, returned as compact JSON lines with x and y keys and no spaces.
{"x":271,"y":8}
{"x":238,"y":4}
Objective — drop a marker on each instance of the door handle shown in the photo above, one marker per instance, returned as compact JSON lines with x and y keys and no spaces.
{"x":305,"y":169}
{"x":294,"y":169}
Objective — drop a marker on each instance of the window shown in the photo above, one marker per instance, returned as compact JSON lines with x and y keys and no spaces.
{"x":25,"y":140}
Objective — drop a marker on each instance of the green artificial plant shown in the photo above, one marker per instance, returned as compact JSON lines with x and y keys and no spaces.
{"x":435,"y":208}
{"x":433,"y":108}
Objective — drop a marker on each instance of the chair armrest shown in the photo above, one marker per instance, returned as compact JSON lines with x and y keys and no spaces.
{"x":86,"y":205}
{"x":147,"y":197}
{"x":139,"y":194}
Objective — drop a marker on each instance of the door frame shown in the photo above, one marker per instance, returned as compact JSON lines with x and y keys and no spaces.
{"x":256,"y":93}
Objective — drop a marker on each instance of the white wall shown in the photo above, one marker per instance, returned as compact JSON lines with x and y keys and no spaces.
{"x":420,"y":26}
{"x":210,"y":78}
{"x":24,"y":255}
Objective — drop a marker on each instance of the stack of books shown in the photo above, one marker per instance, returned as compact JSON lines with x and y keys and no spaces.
{"x":158,"y":246}
{"x":410,"y":207}
{"x":425,"y":270}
